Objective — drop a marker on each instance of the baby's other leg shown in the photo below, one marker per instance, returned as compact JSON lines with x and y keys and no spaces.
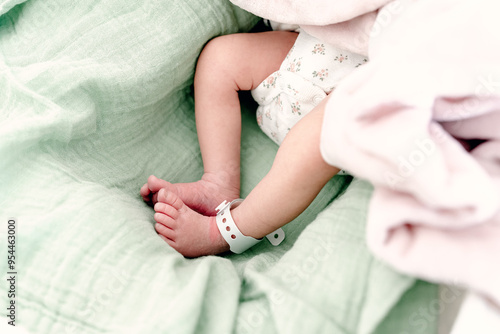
{"x":297,"y":176}
{"x":227,"y":64}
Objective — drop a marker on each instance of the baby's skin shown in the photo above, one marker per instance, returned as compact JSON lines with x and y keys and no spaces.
{"x":202,"y":196}
{"x":185,"y":212}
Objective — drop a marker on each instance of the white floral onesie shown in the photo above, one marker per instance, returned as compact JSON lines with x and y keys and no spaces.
{"x":310,"y":71}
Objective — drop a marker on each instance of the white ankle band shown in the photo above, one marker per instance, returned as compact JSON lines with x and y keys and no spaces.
{"x":238,"y":243}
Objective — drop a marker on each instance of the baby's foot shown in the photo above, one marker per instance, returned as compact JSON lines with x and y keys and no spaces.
{"x":149,"y":191}
{"x":202,"y":196}
{"x":185,"y":230}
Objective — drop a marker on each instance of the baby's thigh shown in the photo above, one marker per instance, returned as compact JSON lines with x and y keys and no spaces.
{"x":249,"y":58}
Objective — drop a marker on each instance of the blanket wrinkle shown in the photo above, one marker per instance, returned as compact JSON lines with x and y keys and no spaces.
{"x":313,"y":12}
{"x":7,"y":5}
{"x":345,"y":24}
{"x":435,"y":161}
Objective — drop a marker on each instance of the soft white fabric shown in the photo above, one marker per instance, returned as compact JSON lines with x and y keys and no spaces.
{"x":345,"y":24}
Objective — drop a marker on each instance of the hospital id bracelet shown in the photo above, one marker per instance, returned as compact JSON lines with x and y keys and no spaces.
{"x":238,"y":243}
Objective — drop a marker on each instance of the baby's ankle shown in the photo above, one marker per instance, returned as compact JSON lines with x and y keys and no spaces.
{"x":216,"y":237}
{"x":242,"y":225}
{"x":224,"y":180}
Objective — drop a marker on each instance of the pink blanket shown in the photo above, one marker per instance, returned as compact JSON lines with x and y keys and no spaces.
{"x":421,"y":122}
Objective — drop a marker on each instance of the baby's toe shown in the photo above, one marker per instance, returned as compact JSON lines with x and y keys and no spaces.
{"x":165,"y":220}
{"x":166,"y":209}
{"x":165,"y":232}
{"x":145,"y":192}
{"x":170,"y":198}
{"x":155,"y":184}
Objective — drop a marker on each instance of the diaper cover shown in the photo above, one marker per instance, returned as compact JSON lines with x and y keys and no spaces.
{"x":310,"y":71}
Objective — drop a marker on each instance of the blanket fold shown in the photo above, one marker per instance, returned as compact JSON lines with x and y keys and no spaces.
{"x":421,"y":121}
{"x":346,"y":24}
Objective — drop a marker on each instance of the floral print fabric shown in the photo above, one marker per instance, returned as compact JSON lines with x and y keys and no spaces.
{"x":311,"y":70}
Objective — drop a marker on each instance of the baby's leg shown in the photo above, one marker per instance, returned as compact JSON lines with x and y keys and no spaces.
{"x":296,"y":177}
{"x":226,"y":65}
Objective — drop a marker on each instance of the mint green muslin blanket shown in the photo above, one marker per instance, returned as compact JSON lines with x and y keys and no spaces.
{"x":94,"y":97}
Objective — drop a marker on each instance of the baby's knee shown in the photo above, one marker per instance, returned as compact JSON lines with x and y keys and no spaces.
{"x":218,"y":48}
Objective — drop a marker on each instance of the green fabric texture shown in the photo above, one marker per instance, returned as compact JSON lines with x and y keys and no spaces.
{"x":97,"y":95}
